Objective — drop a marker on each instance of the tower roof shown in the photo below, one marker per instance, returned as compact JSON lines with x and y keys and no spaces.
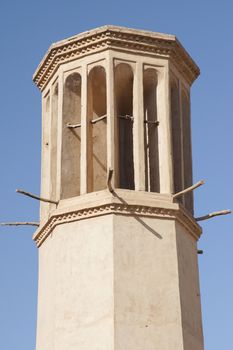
{"x":116,"y":38}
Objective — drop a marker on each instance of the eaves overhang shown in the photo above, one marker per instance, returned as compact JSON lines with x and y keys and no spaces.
{"x":116,"y":38}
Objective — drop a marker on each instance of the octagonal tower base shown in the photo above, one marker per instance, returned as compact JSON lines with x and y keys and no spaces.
{"x":118,"y":274}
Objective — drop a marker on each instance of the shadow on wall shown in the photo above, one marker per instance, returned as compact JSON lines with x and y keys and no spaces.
{"x":138,"y":218}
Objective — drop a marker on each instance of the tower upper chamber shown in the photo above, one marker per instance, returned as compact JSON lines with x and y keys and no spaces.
{"x":116,"y":98}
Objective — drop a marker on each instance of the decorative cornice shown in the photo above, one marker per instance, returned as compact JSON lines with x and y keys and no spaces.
{"x":116,"y":38}
{"x":175,"y":213}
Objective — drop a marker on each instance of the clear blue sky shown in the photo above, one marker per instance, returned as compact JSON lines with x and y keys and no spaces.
{"x":27,"y":28}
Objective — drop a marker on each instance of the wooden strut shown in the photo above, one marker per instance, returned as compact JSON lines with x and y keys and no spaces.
{"x":93,"y":121}
{"x":211,"y":215}
{"x":73,"y":126}
{"x":26,"y":223}
{"x":109,"y":181}
{"x":37,"y":197}
{"x":156,"y":122}
{"x":127,"y":117}
{"x":191,"y":188}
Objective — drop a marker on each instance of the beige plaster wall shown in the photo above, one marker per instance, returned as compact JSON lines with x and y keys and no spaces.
{"x":189,"y":290}
{"x":115,"y":282}
{"x":75,"y":305}
{"x":147,"y":303}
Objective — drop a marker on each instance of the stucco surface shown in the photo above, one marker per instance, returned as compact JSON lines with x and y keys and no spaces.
{"x":75,"y":309}
{"x":115,"y":282}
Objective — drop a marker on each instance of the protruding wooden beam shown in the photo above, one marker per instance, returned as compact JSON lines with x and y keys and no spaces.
{"x":36,"y":197}
{"x":152,"y":122}
{"x":191,"y":188}
{"x":126,"y":117}
{"x":211,"y":215}
{"x":73,"y":126}
{"x":26,"y":223}
{"x":109,"y":181}
{"x":93,"y":121}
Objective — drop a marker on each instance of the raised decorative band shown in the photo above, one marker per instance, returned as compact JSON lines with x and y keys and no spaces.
{"x":122,"y":209}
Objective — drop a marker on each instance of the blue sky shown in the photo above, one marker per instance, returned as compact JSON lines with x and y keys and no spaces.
{"x":27,"y":29}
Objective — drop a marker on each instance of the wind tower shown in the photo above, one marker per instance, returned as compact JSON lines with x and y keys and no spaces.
{"x":118,"y":265}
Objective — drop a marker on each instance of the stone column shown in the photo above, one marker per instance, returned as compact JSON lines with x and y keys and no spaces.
{"x":45,"y":154}
{"x":84,"y":155}
{"x":138,"y":129}
{"x":59,"y":134}
{"x":111,"y":122}
{"x":164,"y":132}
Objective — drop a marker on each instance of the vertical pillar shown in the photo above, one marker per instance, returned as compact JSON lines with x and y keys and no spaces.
{"x":59,"y":134}
{"x":181,"y":135}
{"x":164,"y":132}
{"x":111,"y":161}
{"x":83,"y":168}
{"x":138,"y":129}
{"x":53,"y":143}
{"x":45,"y":171}
{"x":187,"y":148}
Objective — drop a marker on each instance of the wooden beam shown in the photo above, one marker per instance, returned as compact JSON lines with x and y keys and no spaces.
{"x":211,"y":215}
{"x":109,"y":181}
{"x":191,"y":188}
{"x":93,"y":121}
{"x":36,"y":197}
{"x":17,"y":223}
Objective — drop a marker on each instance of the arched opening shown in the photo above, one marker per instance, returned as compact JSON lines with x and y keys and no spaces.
{"x":124,"y":112}
{"x":187,"y":151}
{"x":152,"y":180}
{"x":71,"y":137}
{"x":97,"y":129}
{"x":176,"y":139}
{"x":53,"y":146}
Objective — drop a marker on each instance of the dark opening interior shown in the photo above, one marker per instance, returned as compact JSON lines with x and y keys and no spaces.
{"x":124,"y":113}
